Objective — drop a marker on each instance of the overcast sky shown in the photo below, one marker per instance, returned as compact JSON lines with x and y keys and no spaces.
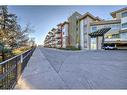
{"x":44,"y":18}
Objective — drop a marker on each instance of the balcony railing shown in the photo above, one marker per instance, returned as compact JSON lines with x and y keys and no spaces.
{"x":53,"y":39}
{"x":11,"y":69}
{"x":58,"y":32}
{"x":58,"y":42}
{"x":115,"y":39}
{"x":58,"y":36}
{"x":52,"y":35}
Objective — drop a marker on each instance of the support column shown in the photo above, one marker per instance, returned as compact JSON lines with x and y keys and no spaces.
{"x":97,"y":43}
{"x":102,"y":42}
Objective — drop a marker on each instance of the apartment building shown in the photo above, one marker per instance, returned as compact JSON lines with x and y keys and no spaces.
{"x":53,"y":37}
{"x":85,"y":21}
{"x":67,"y":33}
{"x":59,"y":36}
{"x":73,"y":30}
{"x":95,"y":33}
{"x":46,"y":41}
{"x":91,"y":32}
{"x":50,"y":40}
{"x":65,"y":42}
{"x":113,"y":27}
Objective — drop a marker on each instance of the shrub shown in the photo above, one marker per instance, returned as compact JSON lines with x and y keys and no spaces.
{"x":70,"y":48}
{"x":20,"y":50}
{"x":16,"y":52}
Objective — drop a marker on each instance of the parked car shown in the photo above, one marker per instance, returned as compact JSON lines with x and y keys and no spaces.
{"x":109,"y":48}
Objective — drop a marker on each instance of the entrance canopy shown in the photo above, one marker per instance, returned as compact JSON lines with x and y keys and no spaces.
{"x":100,"y":32}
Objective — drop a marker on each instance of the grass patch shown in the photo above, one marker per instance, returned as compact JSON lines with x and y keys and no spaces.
{"x":20,"y":50}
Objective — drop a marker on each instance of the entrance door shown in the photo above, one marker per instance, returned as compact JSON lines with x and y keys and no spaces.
{"x":93,"y":44}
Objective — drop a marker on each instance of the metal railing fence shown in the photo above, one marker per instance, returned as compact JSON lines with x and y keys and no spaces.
{"x":11,"y":69}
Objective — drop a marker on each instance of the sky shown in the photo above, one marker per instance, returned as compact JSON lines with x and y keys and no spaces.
{"x":43,"y":18}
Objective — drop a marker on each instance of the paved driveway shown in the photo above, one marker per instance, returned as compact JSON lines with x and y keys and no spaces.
{"x":59,"y":69}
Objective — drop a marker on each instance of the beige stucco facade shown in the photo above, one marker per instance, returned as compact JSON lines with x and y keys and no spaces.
{"x":73,"y":31}
{"x":85,"y":29}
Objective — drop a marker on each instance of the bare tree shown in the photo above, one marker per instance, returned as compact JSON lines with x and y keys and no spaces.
{"x":22,"y":36}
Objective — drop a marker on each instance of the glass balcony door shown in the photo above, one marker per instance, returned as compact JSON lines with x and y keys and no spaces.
{"x":93,"y":44}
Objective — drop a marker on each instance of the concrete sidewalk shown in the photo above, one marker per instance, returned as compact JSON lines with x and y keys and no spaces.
{"x":39,"y":74}
{"x":60,"y":69}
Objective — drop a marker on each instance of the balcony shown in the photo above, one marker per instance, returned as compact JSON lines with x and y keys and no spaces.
{"x":52,"y":35}
{"x":58,"y":36}
{"x":58,"y":32}
{"x":115,"y":40}
{"x":58,"y":43}
{"x":53,"y":39}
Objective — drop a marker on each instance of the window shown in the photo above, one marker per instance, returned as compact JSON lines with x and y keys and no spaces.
{"x":123,"y":35}
{"x":115,"y":36}
{"x":77,"y":17}
{"x":109,"y":36}
{"x":124,"y":14}
{"x":93,"y":43}
{"x":76,"y":28}
{"x":77,"y":22}
{"x":85,"y":41}
{"x":85,"y":27}
{"x":115,"y":26}
{"x":124,"y":25}
{"x":105,"y":26}
{"x":94,"y":28}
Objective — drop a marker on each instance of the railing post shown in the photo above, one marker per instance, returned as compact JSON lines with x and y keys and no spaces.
{"x":16,"y":69}
{"x":21,"y":58}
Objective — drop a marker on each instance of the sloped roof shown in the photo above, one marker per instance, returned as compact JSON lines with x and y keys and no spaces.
{"x":75,"y":14}
{"x":105,"y":22}
{"x":113,"y":14}
{"x":90,"y":15}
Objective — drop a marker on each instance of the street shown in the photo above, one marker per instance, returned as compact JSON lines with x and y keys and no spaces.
{"x":60,"y":69}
